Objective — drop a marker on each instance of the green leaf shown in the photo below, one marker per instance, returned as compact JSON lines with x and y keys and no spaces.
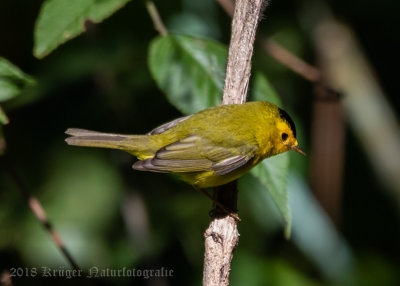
{"x":62,"y":20}
{"x":12,"y":80}
{"x":260,"y":204}
{"x":189,"y":70}
{"x":272,"y":173}
{"x":316,"y":235}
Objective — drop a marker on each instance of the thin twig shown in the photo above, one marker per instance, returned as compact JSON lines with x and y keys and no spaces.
{"x":228,"y":6}
{"x":5,"y":278}
{"x":37,"y":210}
{"x":280,"y":53}
{"x":155,"y":17}
{"x":291,"y":61}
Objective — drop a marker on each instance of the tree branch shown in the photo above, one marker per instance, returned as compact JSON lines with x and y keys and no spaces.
{"x":222,"y":236}
{"x":244,"y":26}
{"x":37,"y":209}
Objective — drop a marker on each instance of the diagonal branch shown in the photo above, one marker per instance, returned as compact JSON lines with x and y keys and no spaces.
{"x":37,"y":209}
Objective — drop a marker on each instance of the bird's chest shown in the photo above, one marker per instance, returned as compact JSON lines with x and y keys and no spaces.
{"x":265,"y":146}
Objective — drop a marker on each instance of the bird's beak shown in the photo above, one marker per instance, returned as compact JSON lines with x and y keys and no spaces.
{"x":298,"y":150}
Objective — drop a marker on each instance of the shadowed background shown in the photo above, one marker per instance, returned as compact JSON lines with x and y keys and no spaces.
{"x":108,"y":215}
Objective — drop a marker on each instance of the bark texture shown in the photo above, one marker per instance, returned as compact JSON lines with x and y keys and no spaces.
{"x":244,"y":26}
{"x":222,"y":236}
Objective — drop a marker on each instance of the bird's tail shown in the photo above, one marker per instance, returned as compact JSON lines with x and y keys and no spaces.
{"x":137,"y":145}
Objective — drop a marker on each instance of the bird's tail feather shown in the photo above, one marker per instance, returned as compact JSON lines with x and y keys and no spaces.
{"x":137,"y":145}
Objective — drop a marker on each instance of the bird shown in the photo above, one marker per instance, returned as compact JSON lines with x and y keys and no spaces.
{"x":206,"y":149}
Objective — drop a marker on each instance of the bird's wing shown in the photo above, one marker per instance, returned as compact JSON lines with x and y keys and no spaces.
{"x":194,"y":154}
{"x":162,"y":128}
{"x":228,"y":165}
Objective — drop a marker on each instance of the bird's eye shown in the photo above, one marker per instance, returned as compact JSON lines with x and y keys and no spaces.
{"x":284,"y":136}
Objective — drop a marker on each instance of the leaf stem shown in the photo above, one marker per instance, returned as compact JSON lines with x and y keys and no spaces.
{"x":155,"y":17}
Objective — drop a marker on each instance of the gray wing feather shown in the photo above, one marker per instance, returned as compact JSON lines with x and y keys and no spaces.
{"x":162,"y":128}
{"x":177,"y":166}
{"x":228,"y":165}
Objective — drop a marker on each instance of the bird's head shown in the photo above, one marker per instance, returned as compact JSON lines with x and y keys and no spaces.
{"x":286,"y":134}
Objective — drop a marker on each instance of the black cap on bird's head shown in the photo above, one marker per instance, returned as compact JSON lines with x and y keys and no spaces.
{"x":285,"y":117}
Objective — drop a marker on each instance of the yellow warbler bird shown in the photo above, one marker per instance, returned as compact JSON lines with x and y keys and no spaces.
{"x":210,"y":148}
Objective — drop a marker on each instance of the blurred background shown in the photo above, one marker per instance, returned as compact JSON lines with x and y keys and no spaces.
{"x":344,"y":196}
